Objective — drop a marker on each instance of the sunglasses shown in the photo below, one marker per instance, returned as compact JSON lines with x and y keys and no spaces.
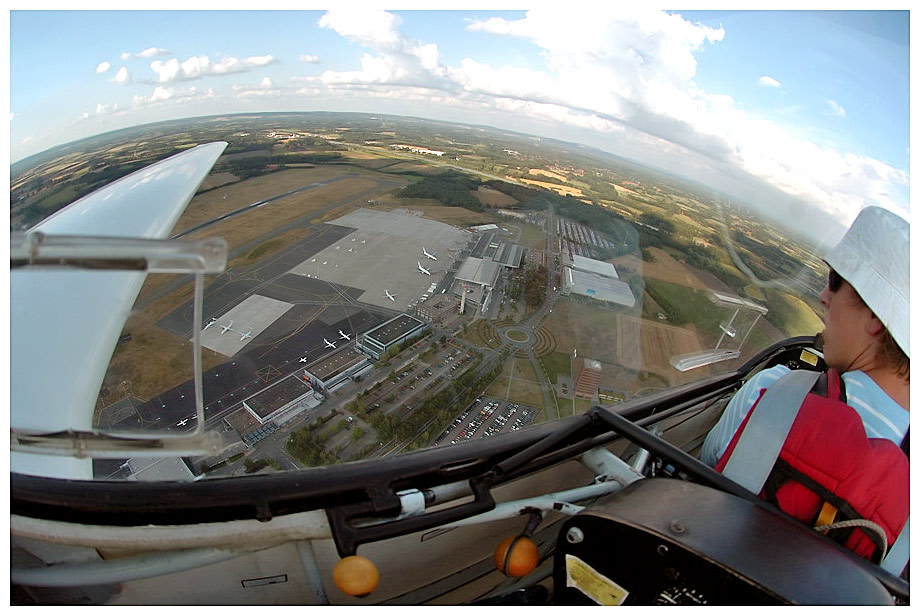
{"x":834,"y":281}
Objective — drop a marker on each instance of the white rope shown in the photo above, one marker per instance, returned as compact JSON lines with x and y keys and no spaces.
{"x":878,"y":530}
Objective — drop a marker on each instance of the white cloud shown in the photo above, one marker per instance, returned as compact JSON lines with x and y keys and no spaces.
{"x":150,"y":52}
{"x":309,"y":59}
{"x":103,"y":67}
{"x":400,"y":60}
{"x":161,"y":94}
{"x":169,"y":95}
{"x":122,"y":76}
{"x":197,"y":67}
{"x":265,"y":88}
{"x":626,"y":68}
{"x":370,"y":28}
{"x":835,"y":109}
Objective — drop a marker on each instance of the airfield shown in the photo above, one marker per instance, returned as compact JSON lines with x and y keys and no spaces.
{"x":273,"y":317}
{"x":383,"y":255}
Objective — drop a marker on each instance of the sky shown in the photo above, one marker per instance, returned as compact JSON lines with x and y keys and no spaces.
{"x":779,"y":109}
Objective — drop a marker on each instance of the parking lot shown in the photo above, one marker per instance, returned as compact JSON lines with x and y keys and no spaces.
{"x":485,"y":418}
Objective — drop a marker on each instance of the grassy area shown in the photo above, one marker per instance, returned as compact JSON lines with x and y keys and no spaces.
{"x":684,"y":305}
{"x":556,"y":364}
{"x":532,"y":236}
{"x":568,"y":407}
{"x":266,"y":248}
{"x":792,"y":315}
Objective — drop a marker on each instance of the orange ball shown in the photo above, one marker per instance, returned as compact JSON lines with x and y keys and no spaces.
{"x":355,"y":576}
{"x":522,"y":560}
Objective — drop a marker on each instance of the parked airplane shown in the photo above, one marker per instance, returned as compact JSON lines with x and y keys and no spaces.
{"x":210,"y":323}
{"x":423,"y":270}
{"x":183,"y":422}
{"x":303,"y":360}
{"x":245,"y":335}
{"x":344,"y":335}
{"x":226,"y":328}
{"x":392,"y":296}
{"x":429,"y":255}
{"x":329,"y":344}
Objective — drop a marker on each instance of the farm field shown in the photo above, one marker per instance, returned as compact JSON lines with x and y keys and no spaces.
{"x":648,"y":346}
{"x":796,"y":318}
{"x":493,"y":198}
{"x":686,"y":306}
{"x":559,"y":188}
{"x":665,"y":268}
{"x":547,"y":173}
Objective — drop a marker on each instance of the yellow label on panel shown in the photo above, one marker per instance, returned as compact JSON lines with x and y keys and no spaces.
{"x":809,"y":357}
{"x":602,"y":590}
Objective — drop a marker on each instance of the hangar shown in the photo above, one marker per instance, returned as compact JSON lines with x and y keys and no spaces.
{"x":591,"y":266}
{"x":595,"y":286}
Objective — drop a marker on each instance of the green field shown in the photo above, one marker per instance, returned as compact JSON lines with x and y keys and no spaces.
{"x":686,"y":306}
{"x":557,"y":364}
{"x":792,"y":315}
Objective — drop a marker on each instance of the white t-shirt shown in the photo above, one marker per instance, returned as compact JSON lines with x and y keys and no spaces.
{"x":882,"y":417}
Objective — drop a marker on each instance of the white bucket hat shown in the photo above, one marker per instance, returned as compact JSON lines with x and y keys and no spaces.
{"x":874,"y":257}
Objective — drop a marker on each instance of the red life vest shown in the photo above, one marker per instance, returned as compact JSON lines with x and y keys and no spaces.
{"x":827,"y":457}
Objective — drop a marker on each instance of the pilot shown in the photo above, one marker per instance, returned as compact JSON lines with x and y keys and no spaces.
{"x":866,"y":340}
{"x":866,"y":332}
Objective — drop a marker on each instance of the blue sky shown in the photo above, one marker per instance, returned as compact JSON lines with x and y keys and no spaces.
{"x":768,"y":105}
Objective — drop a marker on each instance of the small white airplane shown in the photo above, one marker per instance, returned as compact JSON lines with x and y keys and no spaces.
{"x":428,"y":254}
{"x":303,"y":360}
{"x":329,"y":344}
{"x":344,"y":335}
{"x":183,"y":422}
{"x":422,"y":269}
{"x":392,"y":296}
{"x":226,"y":328}
{"x":210,"y":323}
{"x":245,"y":335}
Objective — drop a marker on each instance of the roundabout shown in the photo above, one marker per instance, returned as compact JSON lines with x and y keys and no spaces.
{"x":518,"y":336}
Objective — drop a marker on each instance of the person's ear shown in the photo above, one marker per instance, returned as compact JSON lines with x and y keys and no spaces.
{"x":874,"y":326}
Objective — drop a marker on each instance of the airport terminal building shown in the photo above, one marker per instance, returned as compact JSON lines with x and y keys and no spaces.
{"x":289,"y":394}
{"x":382,"y":339}
{"x":438,"y":308}
{"x":334,"y":371}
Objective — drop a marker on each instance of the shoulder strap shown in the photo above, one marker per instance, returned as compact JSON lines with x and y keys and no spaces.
{"x":761,"y":441}
{"x":899,"y":554}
